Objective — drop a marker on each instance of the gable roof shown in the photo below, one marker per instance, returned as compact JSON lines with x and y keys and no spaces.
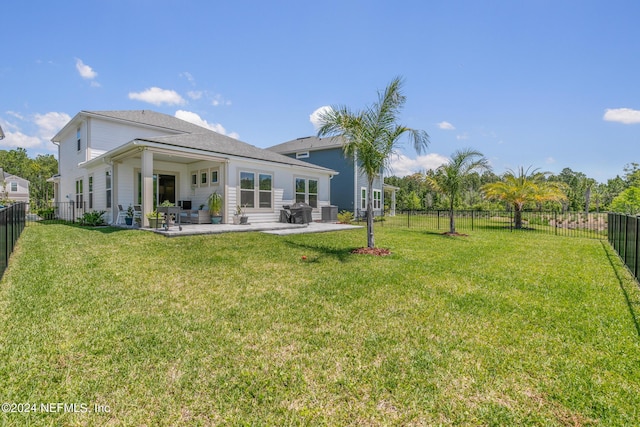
{"x":307,"y":143}
{"x":5,"y":175}
{"x":135,"y":117}
{"x":182,"y":134}
{"x":214,"y":142}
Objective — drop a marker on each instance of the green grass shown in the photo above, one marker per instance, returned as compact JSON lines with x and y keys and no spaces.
{"x":490,"y":329}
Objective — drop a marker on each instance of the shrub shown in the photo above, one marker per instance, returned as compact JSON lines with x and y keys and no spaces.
{"x":345,"y":217}
{"x":46,"y":213}
{"x":92,"y":219}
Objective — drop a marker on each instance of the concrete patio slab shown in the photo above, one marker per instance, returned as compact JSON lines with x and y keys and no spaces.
{"x":277,"y":228}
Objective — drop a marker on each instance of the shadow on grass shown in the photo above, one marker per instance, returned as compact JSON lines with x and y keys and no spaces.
{"x":341,"y":254}
{"x":105,"y":229}
{"x":630,"y":304}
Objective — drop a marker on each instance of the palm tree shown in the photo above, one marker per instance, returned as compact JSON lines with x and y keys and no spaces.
{"x":449,"y":177}
{"x":523,"y":187}
{"x":371,"y":137}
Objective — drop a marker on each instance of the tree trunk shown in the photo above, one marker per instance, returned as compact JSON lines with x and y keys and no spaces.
{"x":518,"y":217}
{"x":370,"y":239}
{"x":452,"y":224}
{"x":587,"y":200}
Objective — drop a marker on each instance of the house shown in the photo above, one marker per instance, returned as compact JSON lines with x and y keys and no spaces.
{"x":111,"y":158}
{"x":349,"y":187}
{"x":13,"y":188}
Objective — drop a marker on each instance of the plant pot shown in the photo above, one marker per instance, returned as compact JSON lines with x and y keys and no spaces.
{"x":236,"y":219}
{"x":128,"y":221}
{"x":155,"y":223}
{"x":244,"y":219}
{"x":216,"y":219}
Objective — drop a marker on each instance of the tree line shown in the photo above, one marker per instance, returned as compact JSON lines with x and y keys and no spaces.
{"x":582,"y":193}
{"x":36,"y":171}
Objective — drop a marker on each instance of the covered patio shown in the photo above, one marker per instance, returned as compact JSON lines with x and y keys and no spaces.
{"x":269,"y":228}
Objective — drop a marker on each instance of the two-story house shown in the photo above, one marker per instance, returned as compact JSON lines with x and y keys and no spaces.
{"x":111,"y":158}
{"x":349,"y":187}
{"x":13,"y":188}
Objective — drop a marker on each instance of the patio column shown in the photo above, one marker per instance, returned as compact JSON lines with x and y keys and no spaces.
{"x":393,"y":202}
{"x":147,"y":185}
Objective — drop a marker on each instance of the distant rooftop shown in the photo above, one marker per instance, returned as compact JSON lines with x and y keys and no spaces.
{"x":307,"y":143}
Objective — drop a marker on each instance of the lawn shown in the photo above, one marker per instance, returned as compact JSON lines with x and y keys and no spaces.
{"x":495,"y":328}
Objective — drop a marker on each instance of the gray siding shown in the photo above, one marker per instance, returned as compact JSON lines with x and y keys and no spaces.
{"x":342,"y":184}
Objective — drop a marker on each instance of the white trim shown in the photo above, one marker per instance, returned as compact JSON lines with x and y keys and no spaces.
{"x":302,"y":155}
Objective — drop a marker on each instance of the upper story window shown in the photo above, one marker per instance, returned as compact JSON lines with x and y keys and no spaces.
{"x":302,"y":155}
{"x":14,"y":186}
{"x":79,"y":137}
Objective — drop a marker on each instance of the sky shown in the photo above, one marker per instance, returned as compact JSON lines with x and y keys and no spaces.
{"x":546,"y":84}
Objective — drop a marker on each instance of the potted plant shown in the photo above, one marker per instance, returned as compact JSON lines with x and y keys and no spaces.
{"x":155,"y":219}
{"x":129,"y":218}
{"x":239,"y":217}
{"x":215,"y":207}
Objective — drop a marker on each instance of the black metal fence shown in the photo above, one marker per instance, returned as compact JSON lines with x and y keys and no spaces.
{"x":624,"y":237}
{"x":574,"y":224}
{"x":12,"y":222}
{"x":49,"y":212}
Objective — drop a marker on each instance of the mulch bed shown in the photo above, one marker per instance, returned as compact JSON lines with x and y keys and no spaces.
{"x":372,"y":251}
{"x":455,"y":234}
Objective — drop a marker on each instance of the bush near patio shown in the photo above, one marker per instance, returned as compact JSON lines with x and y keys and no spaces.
{"x":492,"y":329}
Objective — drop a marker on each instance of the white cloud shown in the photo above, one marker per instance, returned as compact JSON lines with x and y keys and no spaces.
{"x":446,"y":126}
{"x":158,"y":96}
{"x":402,"y":165}
{"x":622,"y":115}
{"x":314,"y":117}
{"x":19,"y":139}
{"x":194,"y":94}
{"x":46,"y":126}
{"x":219,"y":100}
{"x":50,"y":123}
{"x":194,"y":118}
{"x":187,"y":75}
{"x":86,"y":72}
{"x":462,"y":137}
{"x":550,"y":160}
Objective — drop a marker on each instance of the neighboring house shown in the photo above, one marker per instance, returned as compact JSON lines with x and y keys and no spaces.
{"x":13,"y":188}
{"x":349,"y":187}
{"x":111,"y":158}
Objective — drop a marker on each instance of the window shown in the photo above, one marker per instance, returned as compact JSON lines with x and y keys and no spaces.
{"x":79,"y":194}
{"x":307,"y":191}
{"x":252,"y":195}
{"x":214,"y":176}
{"x":204,"y":178}
{"x":107,"y":184}
{"x":377,"y":199}
{"x":363,"y":198}
{"x":79,"y":137}
{"x":302,"y":155}
{"x":90,"y":192}
{"x":194,"y":179}
{"x":14,"y":186}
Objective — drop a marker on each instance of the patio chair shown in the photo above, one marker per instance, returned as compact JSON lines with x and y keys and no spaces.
{"x":137,"y":212}
{"x":122,"y":214}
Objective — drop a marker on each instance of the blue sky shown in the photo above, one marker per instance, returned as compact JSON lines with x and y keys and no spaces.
{"x":548,"y":84}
